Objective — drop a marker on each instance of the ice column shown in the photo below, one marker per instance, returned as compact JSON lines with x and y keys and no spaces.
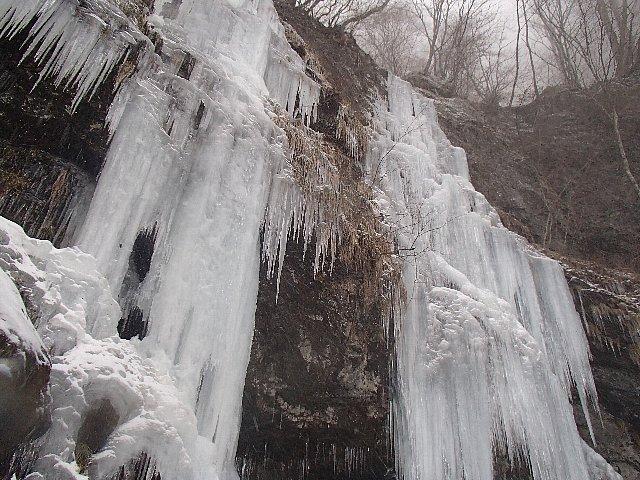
{"x":176,"y":217}
{"x":489,"y":344}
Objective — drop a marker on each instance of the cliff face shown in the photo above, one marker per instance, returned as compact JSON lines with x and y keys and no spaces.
{"x":316,"y":399}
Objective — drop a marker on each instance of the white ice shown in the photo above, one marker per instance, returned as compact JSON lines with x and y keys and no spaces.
{"x":193,"y":155}
{"x":75,"y":316}
{"x":489,"y":344}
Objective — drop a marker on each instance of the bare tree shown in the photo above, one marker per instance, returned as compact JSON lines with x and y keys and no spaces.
{"x":623,"y":153}
{"x":492,"y":76}
{"x":516,"y":75}
{"x":391,"y":38}
{"x":457,"y":31}
{"x":589,"y":40}
{"x":527,"y":41}
{"x":618,"y":18}
{"x":343,"y":14}
{"x":559,"y":26}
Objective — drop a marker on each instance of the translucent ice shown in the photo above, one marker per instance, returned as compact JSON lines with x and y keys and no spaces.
{"x":489,"y":344}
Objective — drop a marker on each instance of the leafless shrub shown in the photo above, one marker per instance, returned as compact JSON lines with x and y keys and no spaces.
{"x":343,"y":14}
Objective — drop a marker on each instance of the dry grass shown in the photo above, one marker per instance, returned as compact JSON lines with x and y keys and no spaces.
{"x":332,"y":184}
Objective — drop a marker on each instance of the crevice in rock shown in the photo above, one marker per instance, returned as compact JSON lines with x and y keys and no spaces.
{"x":97,"y":424}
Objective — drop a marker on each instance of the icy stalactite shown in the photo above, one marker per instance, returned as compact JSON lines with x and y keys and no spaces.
{"x":77,"y":43}
{"x":352,"y":132}
{"x":320,"y":200}
{"x":298,"y":97}
{"x":488,"y":344}
{"x":75,"y":317}
{"x":303,"y":202}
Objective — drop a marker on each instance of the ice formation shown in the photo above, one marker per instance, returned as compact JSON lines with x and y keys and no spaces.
{"x":176,"y":217}
{"x":75,"y":318}
{"x":77,"y":43}
{"x":489,"y":345}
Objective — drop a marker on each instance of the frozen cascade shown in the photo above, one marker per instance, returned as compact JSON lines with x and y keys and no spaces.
{"x":197,"y":167}
{"x":192,"y":160}
{"x":176,"y":217}
{"x":489,"y":344}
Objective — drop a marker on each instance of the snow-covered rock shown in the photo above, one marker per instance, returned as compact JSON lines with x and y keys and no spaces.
{"x":24,"y":371}
{"x":76,"y":317}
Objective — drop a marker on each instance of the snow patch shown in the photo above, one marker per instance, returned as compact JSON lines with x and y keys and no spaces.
{"x":76,"y":316}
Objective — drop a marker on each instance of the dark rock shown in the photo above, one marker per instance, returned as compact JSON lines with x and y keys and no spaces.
{"x":23,"y":400}
{"x":316,"y":398}
{"x":49,"y":159}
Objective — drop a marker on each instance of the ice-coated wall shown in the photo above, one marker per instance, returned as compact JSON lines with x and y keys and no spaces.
{"x":176,"y":217}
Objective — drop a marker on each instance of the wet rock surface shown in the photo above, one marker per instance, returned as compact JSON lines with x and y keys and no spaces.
{"x":23,"y":399}
{"x":316,"y":395}
{"x":49,"y":159}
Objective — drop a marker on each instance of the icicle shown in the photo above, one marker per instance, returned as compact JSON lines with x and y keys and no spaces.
{"x":78,"y":45}
{"x":288,"y":84}
{"x":352,"y":132}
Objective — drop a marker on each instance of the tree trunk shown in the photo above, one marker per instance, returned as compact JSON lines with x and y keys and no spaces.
{"x":623,"y":153}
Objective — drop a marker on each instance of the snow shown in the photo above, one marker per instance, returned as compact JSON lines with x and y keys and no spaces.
{"x":489,"y":343}
{"x":76,"y":317}
{"x":15,"y":327}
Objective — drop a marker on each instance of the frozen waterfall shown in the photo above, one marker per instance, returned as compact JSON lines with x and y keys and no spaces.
{"x":489,"y":345}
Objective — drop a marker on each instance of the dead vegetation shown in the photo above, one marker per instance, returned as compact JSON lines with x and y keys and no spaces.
{"x":333,"y":187}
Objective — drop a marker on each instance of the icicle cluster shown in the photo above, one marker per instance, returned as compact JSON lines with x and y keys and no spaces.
{"x":489,"y":344}
{"x":77,"y":43}
{"x":287,"y":82}
{"x":352,"y":132}
{"x":304,"y":202}
{"x":318,"y":197}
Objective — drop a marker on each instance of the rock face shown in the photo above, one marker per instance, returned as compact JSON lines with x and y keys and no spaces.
{"x":49,"y":158}
{"x":316,"y":400}
{"x":316,"y":395}
{"x":553,"y":170}
{"x":24,"y":374}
